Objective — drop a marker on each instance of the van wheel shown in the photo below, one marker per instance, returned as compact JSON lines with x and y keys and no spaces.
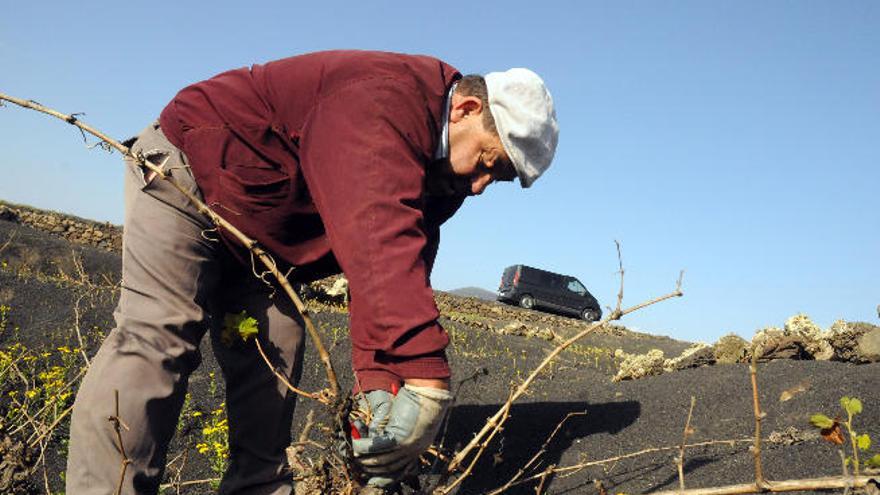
{"x":589,"y":314}
{"x":527,"y":302}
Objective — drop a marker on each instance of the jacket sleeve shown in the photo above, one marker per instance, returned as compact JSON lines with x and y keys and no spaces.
{"x":363,"y":157}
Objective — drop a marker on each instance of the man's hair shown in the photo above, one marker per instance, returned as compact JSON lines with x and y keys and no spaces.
{"x":475,"y":85}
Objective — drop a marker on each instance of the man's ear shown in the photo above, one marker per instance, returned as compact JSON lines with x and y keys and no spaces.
{"x":463,"y":106}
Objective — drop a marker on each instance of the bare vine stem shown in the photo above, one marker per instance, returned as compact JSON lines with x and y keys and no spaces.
{"x":809,"y":484}
{"x":653,"y":450}
{"x":251,"y":244}
{"x":118,"y":426}
{"x":759,"y":470}
{"x":495,"y":423}
{"x":283,"y":379}
{"x":538,"y":455}
{"x":684,"y":436}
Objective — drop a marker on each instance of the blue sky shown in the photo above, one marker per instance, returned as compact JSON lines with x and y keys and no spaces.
{"x":739,"y":141}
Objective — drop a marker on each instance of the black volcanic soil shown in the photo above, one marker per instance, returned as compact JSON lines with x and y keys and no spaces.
{"x":50,"y":284}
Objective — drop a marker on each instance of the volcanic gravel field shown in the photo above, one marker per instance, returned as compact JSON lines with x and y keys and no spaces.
{"x":51,"y":286}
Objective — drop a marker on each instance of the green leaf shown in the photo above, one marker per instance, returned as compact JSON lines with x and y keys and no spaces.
{"x":821,"y":421}
{"x":855,"y":405}
{"x":238,"y":326}
{"x":863,"y":441}
{"x":851,"y":405}
{"x":873,"y":462}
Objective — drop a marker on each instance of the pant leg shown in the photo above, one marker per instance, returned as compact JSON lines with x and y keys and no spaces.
{"x":259,"y":406}
{"x":169,"y":271}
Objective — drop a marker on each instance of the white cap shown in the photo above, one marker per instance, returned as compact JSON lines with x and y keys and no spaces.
{"x":526,"y":120}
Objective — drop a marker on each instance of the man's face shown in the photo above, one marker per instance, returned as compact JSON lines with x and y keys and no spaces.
{"x":476,"y":155}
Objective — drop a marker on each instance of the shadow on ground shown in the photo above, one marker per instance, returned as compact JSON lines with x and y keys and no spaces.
{"x":529,"y":426}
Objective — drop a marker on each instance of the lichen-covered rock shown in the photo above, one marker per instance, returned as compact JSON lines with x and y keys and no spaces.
{"x":731,"y":349}
{"x":699,"y":354}
{"x":813,"y":339}
{"x":792,"y":436}
{"x":821,"y":350}
{"x":869,"y":346}
{"x":784,"y":347}
{"x":514,"y":328}
{"x":844,"y":340}
{"x":339,"y":288}
{"x":799,"y":339}
{"x":767,"y":337}
{"x":545,"y":333}
{"x":801,"y":325}
{"x":517,"y":327}
{"x":634,"y":366}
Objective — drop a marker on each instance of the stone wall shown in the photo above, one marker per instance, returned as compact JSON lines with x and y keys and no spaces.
{"x":77,"y":230}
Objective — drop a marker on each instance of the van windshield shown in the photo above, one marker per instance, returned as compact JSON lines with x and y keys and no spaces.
{"x":575,"y":286}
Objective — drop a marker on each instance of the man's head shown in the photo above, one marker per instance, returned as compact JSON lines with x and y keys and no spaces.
{"x":501,"y":127}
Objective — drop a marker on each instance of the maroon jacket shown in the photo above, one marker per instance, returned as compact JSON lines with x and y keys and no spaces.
{"x":322,"y":159}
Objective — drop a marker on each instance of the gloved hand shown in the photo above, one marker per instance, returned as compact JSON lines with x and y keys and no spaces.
{"x":413,"y":422}
{"x":372,"y":412}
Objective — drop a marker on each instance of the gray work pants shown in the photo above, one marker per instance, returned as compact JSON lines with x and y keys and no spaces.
{"x":178,"y":282}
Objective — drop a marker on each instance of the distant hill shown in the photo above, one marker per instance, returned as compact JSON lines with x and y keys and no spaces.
{"x":486,"y":295}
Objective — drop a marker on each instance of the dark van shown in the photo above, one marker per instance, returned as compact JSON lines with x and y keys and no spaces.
{"x":534,"y":288}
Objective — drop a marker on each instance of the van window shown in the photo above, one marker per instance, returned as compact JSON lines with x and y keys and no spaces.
{"x":575,"y":286}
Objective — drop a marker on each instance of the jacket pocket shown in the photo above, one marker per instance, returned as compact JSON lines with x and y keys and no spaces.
{"x":249,"y":179}
{"x":254,"y":188}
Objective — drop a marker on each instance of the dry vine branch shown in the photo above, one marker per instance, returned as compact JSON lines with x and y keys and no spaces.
{"x":283,"y":379}
{"x":845,"y":471}
{"x":79,"y":338}
{"x":495,"y":423}
{"x":828,"y":483}
{"x":8,"y":241}
{"x":538,"y":455}
{"x":621,"y":272}
{"x":189,"y":483}
{"x":51,"y":427}
{"x":684,"y":437}
{"x":486,"y":440}
{"x":653,"y":450}
{"x":759,"y":470}
{"x":251,"y":244}
{"x":118,"y":425}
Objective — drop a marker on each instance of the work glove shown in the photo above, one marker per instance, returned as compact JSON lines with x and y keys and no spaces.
{"x":413,"y":421}
{"x":372,"y":410}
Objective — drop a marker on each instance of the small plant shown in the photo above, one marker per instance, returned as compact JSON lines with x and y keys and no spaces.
{"x":832,"y":432}
{"x":186,"y":412}
{"x":4,"y":317}
{"x":238,"y":326}
{"x":214,"y":444}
